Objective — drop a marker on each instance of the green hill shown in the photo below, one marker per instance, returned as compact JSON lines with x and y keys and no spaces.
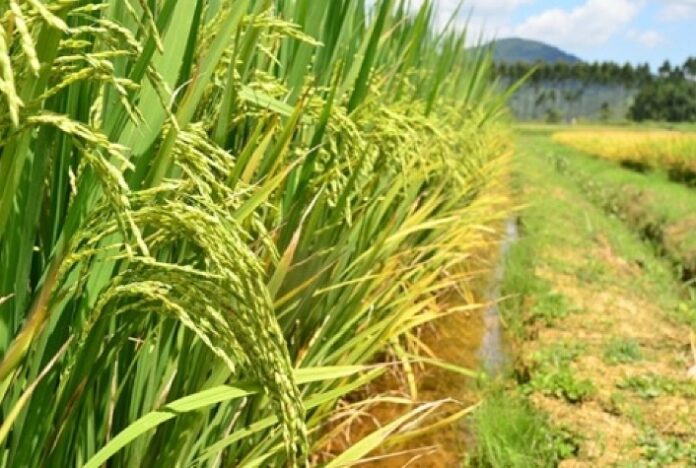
{"x":522,"y":50}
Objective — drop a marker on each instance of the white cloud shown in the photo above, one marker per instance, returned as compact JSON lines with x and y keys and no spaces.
{"x":493,"y":6}
{"x":650,"y":39}
{"x":675,"y":10}
{"x":490,"y":16}
{"x":591,"y":24}
{"x":483,"y":7}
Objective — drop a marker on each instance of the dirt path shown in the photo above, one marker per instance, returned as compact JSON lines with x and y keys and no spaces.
{"x":604,"y":351}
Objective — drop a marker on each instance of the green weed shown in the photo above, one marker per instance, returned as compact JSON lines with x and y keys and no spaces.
{"x":686,"y":310}
{"x":561,"y":383}
{"x":510,"y":433}
{"x":552,"y":374}
{"x":530,"y":299}
{"x":651,"y":386}
{"x":549,"y":307}
{"x":559,"y":354}
{"x":661,"y":451}
{"x":622,"y":351}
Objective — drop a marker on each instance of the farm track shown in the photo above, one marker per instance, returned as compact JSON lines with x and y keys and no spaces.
{"x":606,"y":346}
{"x":661,"y":211}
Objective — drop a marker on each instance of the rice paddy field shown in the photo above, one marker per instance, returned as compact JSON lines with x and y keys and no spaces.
{"x":673,"y":151}
{"x":297,"y":233}
{"x":221,"y":221}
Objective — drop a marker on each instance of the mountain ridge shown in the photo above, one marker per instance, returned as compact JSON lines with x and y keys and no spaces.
{"x":513,"y":50}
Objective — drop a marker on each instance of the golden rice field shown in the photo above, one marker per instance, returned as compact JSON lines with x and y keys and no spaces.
{"x":653,"y":149}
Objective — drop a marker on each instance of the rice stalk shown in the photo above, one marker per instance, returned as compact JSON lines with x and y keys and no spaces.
{"x":227,"y":193}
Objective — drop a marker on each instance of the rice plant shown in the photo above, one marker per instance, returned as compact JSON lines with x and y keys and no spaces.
{"x":217,"y":215}
{"x":672,"y":151}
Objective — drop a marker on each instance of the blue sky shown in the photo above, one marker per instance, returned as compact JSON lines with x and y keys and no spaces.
{"x":620,"y":30}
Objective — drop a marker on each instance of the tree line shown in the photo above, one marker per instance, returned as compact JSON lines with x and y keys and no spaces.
{"x":586,"y":72}
{"x":669,"y":95}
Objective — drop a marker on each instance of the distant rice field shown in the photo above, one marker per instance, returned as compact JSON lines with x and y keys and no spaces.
{"x":651,"y":149}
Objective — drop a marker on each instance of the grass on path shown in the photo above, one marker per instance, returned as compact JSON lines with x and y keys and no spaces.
{"x":661,"y":211}
{"x":603,"y":341}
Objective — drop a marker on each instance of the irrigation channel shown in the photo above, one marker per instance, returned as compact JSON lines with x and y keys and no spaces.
{"x":493,"y":352}
{"x":471,"y":341}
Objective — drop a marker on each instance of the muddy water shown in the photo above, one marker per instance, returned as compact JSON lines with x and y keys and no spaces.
{"x":492,"y":352}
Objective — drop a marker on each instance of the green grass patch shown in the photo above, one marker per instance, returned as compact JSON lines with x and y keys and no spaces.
{"x":529,"y":299}
{"x":661,"y":451}
{"x":553,"y":375}
{"x":650,"y":386}
{"x":560,"y":382}
{"x":622,"y":351}
{"x":559,"y":354}
{"x":511,"y":433}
